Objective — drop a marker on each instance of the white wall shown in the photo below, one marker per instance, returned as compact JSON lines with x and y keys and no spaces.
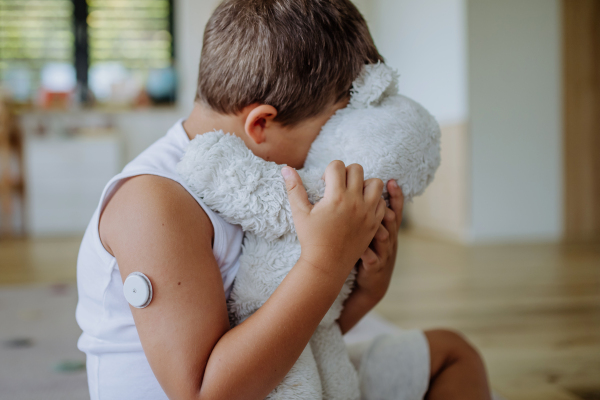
{"x":365,"y":7}
{"x":444,"y":209}
{"x":190,"y":19}
{"x":425,"y":40}
{"x":515,"y":119}
{"x":489,"y":71}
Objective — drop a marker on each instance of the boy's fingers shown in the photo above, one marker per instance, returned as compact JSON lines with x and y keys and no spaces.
{"x":370,"y":261}
{"x":355,"y":177}
{"x":396,"y":200}
{"x":296,"y":192}
{"x":382,"y":234}
{"x":373,"y":188}
{"x":380,"y":211}
{"x":390,"y":221}
{"x":335,"y":178}
{"x":382,"y":243}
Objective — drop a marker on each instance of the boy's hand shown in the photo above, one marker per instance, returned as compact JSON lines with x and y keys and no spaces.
{"x":377,"y":262}
{"x":334,"y":231}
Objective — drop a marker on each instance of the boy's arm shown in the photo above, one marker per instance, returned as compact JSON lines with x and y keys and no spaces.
{"x":377,"y":264}
{"x":154,"y":226}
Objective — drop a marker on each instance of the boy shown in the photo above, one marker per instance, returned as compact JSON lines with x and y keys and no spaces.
{"x":272,"y":72}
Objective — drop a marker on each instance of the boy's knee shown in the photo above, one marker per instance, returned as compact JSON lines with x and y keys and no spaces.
{"x":448,"y":347}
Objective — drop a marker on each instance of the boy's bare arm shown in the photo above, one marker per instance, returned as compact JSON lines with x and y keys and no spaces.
{"x":154,"y":226}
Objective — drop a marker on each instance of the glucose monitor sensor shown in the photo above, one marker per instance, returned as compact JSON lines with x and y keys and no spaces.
{"x":138,"y":290}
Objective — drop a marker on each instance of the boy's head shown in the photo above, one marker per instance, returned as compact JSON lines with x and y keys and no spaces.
{"x":283,"y":65}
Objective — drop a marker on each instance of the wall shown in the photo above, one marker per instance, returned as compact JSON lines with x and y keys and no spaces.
{"x":443,"y":210}
{"x":190,"y":19}
{"x":489,"y":71}
{"x":425,"y":40}
{"x":515,"y":119}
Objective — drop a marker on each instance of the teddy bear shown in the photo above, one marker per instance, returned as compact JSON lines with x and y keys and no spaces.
{"x":390,"y":135}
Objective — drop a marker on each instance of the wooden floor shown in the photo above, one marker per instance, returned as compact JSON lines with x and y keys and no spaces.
{"x":40,"y":260}
{"x":532,"y":310}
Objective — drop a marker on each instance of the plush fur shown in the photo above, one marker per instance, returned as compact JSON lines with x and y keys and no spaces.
{"x":390,"y":135}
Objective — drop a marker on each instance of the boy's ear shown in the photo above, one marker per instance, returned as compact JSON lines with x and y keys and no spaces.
{"x":258,"y":120}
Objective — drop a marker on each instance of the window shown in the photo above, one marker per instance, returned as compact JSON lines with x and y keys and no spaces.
{"x":136,"y":33}
{"x":33,"y":33}
{"x":121,"y":50}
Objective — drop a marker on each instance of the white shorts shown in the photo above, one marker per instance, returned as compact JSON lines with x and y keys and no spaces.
{"x":392,"y":366}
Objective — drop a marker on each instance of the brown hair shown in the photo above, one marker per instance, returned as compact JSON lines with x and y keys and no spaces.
{"x":299,"y":56}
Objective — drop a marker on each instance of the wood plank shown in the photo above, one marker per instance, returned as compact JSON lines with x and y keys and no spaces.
{"x":581,"y":85}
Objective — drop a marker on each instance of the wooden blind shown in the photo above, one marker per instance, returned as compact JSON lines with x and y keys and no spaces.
{"x":134,"y":33}
{"x":35,"y":32}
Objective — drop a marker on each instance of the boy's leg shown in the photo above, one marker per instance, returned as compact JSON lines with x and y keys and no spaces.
{"x":457,"y":370}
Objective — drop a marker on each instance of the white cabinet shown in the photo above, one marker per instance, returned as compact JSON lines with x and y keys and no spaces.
{"x":64,"y":181}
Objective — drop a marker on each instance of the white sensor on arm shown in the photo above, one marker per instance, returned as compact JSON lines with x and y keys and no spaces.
{"x":138,"y":290}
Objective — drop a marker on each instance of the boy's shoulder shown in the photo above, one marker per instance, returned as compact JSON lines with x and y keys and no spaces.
{"x":145,"y":208}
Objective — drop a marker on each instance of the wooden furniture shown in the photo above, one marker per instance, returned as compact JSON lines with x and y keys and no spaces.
{"x":581,"y":85}
{"x":11,"y":173}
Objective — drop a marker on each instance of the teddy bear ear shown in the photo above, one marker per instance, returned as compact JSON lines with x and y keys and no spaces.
{"x":375,"y":83}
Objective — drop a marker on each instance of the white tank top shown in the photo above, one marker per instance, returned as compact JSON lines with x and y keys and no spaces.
{"x":117,"y":367}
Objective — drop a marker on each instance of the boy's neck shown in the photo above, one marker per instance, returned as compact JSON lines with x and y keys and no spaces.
{"x":202,"y":119}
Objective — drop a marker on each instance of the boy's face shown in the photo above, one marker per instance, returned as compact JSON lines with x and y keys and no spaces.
{"x":290,"y":145}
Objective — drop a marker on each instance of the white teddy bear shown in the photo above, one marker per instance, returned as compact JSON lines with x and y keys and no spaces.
{"x":391,"y":136}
